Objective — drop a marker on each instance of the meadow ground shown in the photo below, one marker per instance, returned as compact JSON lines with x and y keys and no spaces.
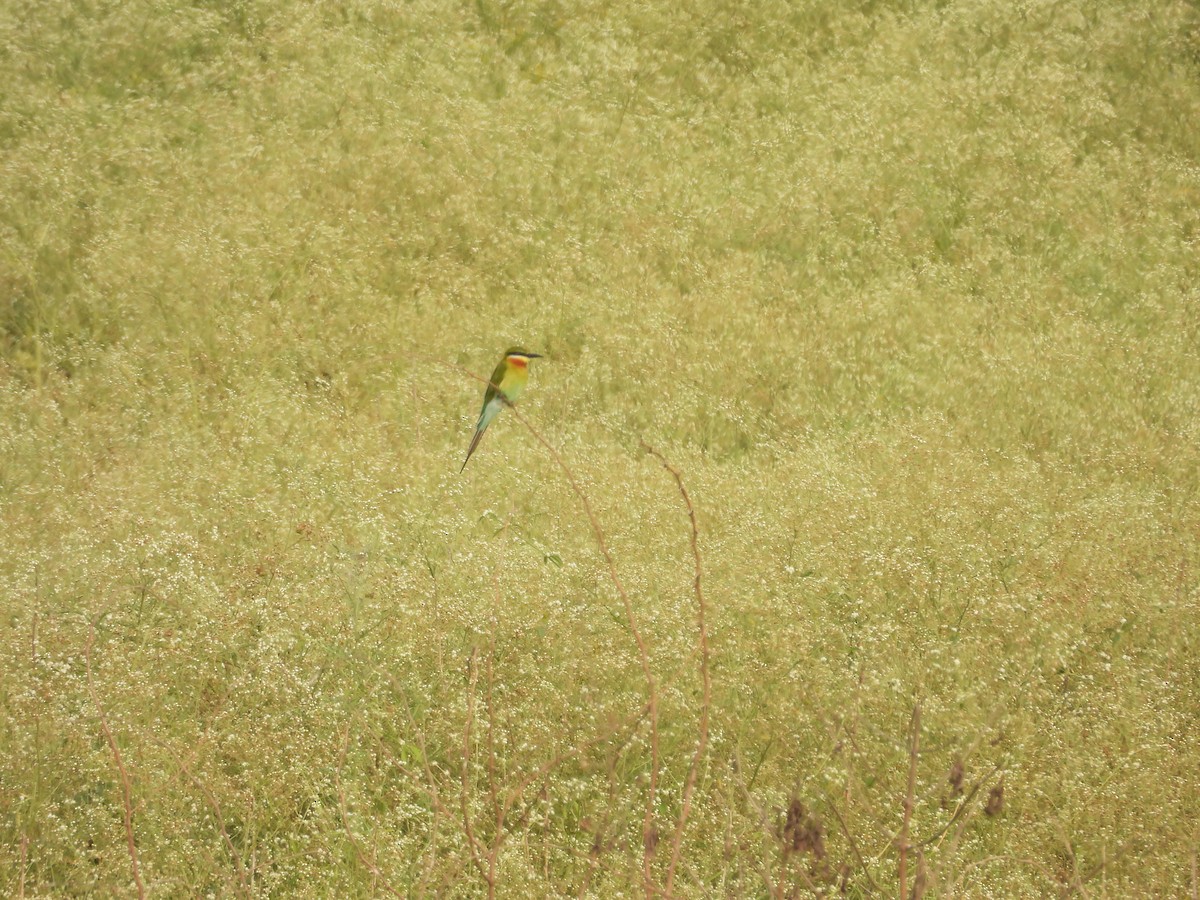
{"x":907,"y":294}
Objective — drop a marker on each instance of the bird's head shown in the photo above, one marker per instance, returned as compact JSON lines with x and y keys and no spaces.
{"x":519,"y":357}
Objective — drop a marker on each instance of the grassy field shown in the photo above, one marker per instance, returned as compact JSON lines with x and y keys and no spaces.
{"x":906,"y":292}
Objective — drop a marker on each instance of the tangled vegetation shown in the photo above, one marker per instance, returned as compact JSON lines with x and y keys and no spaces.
{"x":846,"y":540}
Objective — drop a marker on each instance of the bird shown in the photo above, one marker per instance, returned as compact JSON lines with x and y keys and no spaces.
{"x":506,"y":385}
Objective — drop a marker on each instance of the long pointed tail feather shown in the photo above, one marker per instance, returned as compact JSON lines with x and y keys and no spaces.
{"x":490,"y":411}
{"x":474,"y":443}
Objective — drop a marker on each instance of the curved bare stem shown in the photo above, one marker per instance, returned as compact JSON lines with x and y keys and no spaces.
{"x":649,"y":837}
{"x":705,"y":680}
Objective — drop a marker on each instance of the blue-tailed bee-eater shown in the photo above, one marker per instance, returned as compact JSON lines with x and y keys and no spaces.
{"x":507,"y":382}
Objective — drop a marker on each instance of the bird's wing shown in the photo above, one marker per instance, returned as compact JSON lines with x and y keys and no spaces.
{"x":492,"y":388}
